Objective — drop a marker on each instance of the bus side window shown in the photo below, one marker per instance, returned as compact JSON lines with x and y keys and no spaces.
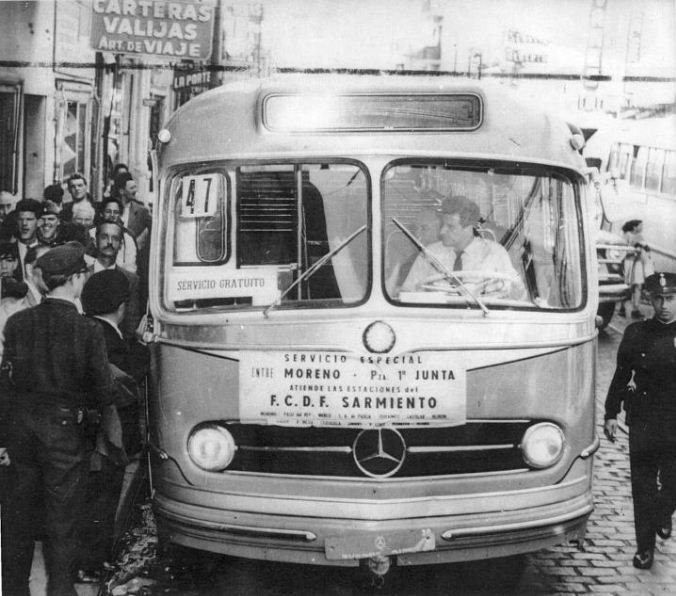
{"x":669,"y":174}
{"x":654,"y":169}
{"x":638,"y":166}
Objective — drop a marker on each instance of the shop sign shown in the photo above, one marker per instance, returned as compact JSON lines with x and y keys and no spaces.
{"x":177,"y":29}
{"x":191,"y":79}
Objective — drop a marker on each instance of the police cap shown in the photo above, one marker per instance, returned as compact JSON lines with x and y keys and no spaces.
{"x":661,"y":283}
{"x":65,"y":259}
{"x":104,"y":292}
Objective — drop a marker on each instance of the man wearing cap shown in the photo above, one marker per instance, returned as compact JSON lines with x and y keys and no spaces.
{"x":645,"y":382}
{"x":461,"y":248}
{"x":104,"y":299}
{"x":54,"y":366}
{"x":49,"y":225}
{"x":54,"y":194}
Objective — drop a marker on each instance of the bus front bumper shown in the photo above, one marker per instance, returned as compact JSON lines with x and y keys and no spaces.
{"x":411,"y":541}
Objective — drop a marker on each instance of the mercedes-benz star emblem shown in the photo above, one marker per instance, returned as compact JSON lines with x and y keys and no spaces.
{"x":379,"y":452}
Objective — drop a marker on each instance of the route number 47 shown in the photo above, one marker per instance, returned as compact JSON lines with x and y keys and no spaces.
{"x":199,"y":196}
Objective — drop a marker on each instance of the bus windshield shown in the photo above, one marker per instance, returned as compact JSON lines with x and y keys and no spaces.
{"x":296,"y":235}
{"x":458,"y":234}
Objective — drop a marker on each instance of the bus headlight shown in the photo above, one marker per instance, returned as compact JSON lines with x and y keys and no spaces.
{"x":211,"y":447}
{"x":542,"y":445}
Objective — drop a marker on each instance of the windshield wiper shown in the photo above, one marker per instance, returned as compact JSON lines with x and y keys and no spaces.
{"x":314,"y":268}
{"x":440,"y":267}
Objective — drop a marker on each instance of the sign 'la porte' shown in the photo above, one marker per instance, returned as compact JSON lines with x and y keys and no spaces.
{"x":174,"y":29}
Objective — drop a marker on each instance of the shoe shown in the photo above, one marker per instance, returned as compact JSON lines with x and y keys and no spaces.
{"x":643,"y":559}
{"x":664,"y":531}
{"x":636,"y":314}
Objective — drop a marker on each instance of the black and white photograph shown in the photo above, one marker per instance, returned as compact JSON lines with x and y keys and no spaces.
{"x":337,"y":297}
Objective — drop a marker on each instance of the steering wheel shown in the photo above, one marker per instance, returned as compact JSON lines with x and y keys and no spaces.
{"x":480,"y":283}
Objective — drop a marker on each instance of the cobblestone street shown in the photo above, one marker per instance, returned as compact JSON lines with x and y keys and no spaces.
{"x":604,"y":564}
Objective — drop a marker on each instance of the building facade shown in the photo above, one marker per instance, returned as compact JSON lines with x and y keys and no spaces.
{"x":66,"y":107}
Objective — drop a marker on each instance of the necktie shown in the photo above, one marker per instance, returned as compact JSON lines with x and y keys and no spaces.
{"x":457,"y":264}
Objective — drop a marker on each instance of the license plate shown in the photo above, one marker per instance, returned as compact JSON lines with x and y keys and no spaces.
{"x":367,"y":545}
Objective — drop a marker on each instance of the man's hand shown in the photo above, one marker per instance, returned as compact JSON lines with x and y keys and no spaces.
{"x":4,"y":457}
{"x":610,"y":429}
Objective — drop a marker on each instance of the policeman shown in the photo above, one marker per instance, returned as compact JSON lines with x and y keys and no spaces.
{"x":645,"y":380}
{"x":54,"y":368}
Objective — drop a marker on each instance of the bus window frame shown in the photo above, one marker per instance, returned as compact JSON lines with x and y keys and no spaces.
{"x":525,"y":169}
{"x":228,"y":168}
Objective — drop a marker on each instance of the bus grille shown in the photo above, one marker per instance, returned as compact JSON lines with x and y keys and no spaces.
{"x":478,"y":447}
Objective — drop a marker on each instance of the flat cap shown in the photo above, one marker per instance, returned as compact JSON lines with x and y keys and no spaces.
{"x":65,"y":259}
{"x":661,"y":283}
{"x":104,"y":292}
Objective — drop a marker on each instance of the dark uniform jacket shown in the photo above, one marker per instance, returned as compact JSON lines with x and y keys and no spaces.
{"x":54,"y":356}
{"x":648,"y":351}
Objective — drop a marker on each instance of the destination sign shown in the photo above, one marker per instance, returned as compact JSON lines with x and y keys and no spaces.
{"x":198,"y":284}
{"x":337,"y":389}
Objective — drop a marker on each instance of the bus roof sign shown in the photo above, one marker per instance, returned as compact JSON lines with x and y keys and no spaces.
{"x":371,"y":112}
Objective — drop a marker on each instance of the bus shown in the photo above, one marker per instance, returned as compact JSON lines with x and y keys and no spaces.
{"x":637,"y":163}
{"x":309,"y":405}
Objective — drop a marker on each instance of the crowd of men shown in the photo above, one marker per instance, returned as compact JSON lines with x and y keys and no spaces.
{"x":73,"y":275}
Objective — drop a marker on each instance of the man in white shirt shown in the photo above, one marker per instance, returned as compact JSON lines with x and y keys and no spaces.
{"x":108,"y":242}
{"x":460,"y":249}
{"x":111,"y":210}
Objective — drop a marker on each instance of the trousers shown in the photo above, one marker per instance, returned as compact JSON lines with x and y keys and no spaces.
{"x":47,"y":448}
{"x":652,"y":457}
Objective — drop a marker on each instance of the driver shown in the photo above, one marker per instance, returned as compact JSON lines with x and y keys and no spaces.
{"x":461,"y":248}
